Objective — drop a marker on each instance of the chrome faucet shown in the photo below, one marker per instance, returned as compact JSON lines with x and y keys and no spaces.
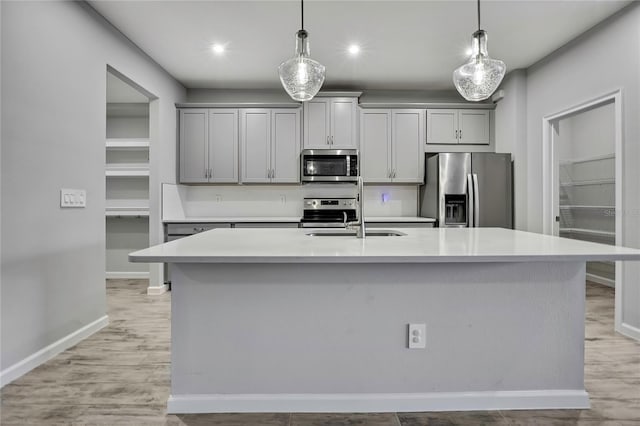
{"x":360,"y":231}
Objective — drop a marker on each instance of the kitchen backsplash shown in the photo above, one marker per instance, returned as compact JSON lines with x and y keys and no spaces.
{"x":184,"y":201}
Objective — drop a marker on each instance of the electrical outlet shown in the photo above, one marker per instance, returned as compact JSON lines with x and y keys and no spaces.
{"x":283,"y":199}
{"x":417,"y":336}
{"x":218,"y":198}
{"x":70,"y":198}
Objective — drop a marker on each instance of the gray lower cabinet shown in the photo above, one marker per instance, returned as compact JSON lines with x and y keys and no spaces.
{"x":208,"y":145}
{"x":267,"y":225}
{"x":392,"y":225}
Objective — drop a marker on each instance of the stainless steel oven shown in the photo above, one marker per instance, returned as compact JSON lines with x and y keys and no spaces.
{"x":329,"y":165}
{"x":328,"y":212}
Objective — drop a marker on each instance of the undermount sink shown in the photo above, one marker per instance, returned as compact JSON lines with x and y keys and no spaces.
{"x":369,"y":233}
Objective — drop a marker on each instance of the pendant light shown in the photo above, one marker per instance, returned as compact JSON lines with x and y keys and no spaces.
{"x":480,"y":76}
{"x":300,"y":75}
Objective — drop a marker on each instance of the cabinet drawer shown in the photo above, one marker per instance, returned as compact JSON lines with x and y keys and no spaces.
{"x":391,"y":225}
{"x":267,"y":225}
{"x":193,"y":228}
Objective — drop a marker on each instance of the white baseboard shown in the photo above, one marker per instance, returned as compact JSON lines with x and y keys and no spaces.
{"x":126,"y":275}
{"x":601,"y":280}
{"x":43,"y":355}
{"x":629,"y":331}
{"x":157,"y":290}
{"x":366,"y":403}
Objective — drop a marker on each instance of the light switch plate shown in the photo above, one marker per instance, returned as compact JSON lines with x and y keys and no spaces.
{"x":73,"y":198}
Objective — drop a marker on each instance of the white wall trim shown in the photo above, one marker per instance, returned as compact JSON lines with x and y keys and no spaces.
{"x":43,"y":355}
{"x":629,"y":331}
{"x":157,"y":290}
{"x":600,"y":280}
{"x":112,"y":275}
{"x":375,"y":402}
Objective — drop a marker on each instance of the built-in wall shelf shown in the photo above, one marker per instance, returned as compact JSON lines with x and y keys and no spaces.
{"x":609,"y":181}
{"x":573,"y":207}
{"x":592,"y":232}
{"x":127,"y":170}
{"x":125,"y":144}
{"x":587,"y":206}
{"x":130,"y":207}
{"x":587,"y":159}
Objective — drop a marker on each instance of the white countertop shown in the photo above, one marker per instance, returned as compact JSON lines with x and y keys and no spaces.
{"x":420,"y":245}
{"x":289,"y":219}
{"x":235,"y":219}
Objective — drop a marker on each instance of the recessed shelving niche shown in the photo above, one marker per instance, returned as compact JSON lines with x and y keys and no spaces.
{"x":127,"y":179}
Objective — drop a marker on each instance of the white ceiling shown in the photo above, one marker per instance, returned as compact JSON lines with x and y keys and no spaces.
{"x":406,"y":44}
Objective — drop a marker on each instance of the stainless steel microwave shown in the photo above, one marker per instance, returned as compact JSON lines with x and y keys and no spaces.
{"x":329,"y":165}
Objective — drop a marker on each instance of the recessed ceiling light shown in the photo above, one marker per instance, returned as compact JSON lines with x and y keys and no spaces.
{"x":218,"y":48}
{"x":354,"y":49}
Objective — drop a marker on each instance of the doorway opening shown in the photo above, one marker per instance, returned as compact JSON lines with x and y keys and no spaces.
{"x":126,"y":175}
{"x":582,"y":181}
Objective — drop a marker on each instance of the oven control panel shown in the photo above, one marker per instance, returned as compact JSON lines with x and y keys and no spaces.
{"x":329,"y":203}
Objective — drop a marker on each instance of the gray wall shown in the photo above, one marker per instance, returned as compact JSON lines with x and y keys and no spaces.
{"x":604,"y":59}
{"x":54,"y":61}
{"x":511,"y":136}
{"x":590,"y":133}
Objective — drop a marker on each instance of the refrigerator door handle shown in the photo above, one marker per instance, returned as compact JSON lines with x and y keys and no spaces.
{"x":476,"y":199}
{"x":470,"y":202}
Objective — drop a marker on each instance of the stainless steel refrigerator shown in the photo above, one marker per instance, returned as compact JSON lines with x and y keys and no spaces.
{"x":468,"y":190}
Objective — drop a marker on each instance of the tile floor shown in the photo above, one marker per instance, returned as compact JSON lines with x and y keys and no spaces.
{"x":120,"y":376}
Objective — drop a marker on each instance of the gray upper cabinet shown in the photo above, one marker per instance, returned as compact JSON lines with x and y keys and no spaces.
{"x":407,"y":142}
{"x":223,"y":145}
{"x":194,"y":145}
{"x":270,"y":145}
{"x":458,"y":126}
{"x":392,"y":145}
{"x":330,"y":123}
{"x":208,"y":145}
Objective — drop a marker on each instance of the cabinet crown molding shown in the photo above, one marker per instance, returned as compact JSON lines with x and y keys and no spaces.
{"x":239,"y":105}
{"x":338,"y":94}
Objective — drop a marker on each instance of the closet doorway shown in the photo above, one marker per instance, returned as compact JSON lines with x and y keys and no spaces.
{"x":126,"y":175}
{"x":582,"y":188}
{"x":585,"y":188}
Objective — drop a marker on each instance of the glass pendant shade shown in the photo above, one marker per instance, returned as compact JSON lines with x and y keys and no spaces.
{"x":301,"y":76}
{"x":480,"y":76}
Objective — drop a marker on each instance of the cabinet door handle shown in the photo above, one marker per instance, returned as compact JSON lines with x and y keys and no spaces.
{"x":331,"y":140}
{"x":328,"y":143}
{"x":394,"y":173}
{"x":460,"y":133}
{"x":210,"y":173}
{"x":456,"y":134}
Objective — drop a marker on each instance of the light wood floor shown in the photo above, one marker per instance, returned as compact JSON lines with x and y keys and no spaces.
{"x":120,"y":376}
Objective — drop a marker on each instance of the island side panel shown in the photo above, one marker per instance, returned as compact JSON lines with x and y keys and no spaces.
{"x":341,"y":329}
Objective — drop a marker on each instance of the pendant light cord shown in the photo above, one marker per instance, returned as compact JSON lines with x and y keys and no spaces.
{"x":302,"y":13}
{"x":478,"y":15}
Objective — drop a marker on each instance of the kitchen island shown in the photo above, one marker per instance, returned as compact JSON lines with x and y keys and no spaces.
{"x":275,"y":320}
